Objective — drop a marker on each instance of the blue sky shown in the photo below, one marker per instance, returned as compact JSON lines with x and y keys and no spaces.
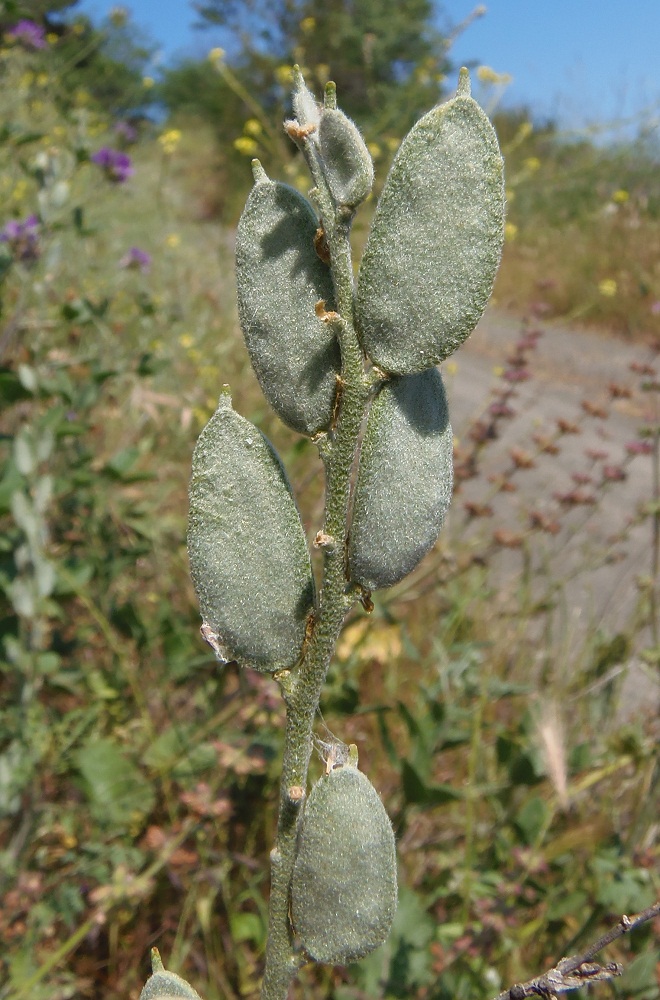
{"x":581,"y":61}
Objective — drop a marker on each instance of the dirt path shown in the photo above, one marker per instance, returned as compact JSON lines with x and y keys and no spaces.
{"x":597,"y":552}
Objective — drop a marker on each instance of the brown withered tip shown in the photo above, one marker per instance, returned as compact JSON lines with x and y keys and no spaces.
{"x":321,"y":245}
{"x":298,"y":132}
{"x":323,"y":541}
{"x":365,"y":600}
{"x":325,"y":315}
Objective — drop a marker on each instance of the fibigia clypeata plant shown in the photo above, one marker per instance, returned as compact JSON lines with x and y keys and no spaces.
{"x":354,"y":369}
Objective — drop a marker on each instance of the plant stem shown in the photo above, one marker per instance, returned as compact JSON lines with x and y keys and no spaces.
{"x":302,"y":689}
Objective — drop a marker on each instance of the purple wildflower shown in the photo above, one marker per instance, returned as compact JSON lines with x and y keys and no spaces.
{"x":516,"y":375}
{"x":22,"y":238}
{"x":28,"y":33}
{"x":655,"y":308}
{"x":639,"y":447}
{"x":136,"y":259}
{"x":126,"y":132}
{"x":116,"y":165}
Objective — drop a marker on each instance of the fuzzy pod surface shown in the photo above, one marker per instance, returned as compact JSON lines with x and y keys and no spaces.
{"x":436,"y":239}
{"x":165,"y":985}
{"x":280,"y":278}
{"x":404,"y":482}
{"x":344,"y":889}
{"x":347,"y":164}
{"x":249,"y":559}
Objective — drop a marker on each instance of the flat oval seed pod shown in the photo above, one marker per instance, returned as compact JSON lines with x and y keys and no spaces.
{"x":347,"y":164}
{"x":343,"y":892}
{"x":435,"y":243}
{"x":249,"y":559}
{"x":280,"y":278}
{"x":404,"y":481}
{"x":163,"y":984}
{"x":166,"y":985}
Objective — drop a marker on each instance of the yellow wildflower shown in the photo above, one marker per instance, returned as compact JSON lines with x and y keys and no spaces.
{"x":252,"y":127}
{"x":510,"y":231}
{"x":118,"y":16}
{"x":186,"y":340}
{"x":284,"y":75}
{"x":208,"y":372}
{"x":216,"y":56}
{"x":488,"y":75}
{"x":172,"y":240}
{"x":20,"y":190}
{"x":52,"y":38}
{"x":307,"y":24}
{"x":169,"y":141}
{"x":246,"y":146}
{"x":78,"y":28}
{"x":374,"y":149}
{"x":81,"y":96}
{"x":608,"y":287}
{"x":201,"y":416}
{"x":621,"y":196}
{"x":532,"y":163}
{"x":148,"y":82}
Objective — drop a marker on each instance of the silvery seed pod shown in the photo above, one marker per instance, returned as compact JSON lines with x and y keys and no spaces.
{"x":404,"y":481}
{"x":305,"y":106}
{"x":163,"y":985}
{"x":249,"y":559}
{"x":436,"y":239}
{"x":280,"y":278}
{"x":344,"y":891}
{"x":346,"y":161}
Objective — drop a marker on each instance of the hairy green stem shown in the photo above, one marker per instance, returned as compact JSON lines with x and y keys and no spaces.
{"x":302,"y":689}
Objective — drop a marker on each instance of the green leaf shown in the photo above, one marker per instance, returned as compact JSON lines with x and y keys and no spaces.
{"x":531,"y":819}
{"x":419,"y":792}
{"x":435,"y":243}
{"x":248,"y":554}
{"x":567,"y":905}
{"x":404,"y":482}
{"x":12,"y":388}
{"x":640,"y":978}
{"x":280,"y":278}
{"x":117,"y":791}
{"x":247,"y":927}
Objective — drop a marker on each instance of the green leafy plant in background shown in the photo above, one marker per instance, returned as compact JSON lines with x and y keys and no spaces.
{"x":330,"y":356}
{"x":124,"y":819}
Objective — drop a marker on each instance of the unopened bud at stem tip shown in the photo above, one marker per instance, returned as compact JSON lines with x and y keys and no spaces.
{"x":258,"y":172}
{"x":331,"y":94}
{"x":464,"y":88}
{"x":156,"y":961}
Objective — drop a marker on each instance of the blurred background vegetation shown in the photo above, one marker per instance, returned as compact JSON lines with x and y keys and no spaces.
{"x":138,"y":781}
